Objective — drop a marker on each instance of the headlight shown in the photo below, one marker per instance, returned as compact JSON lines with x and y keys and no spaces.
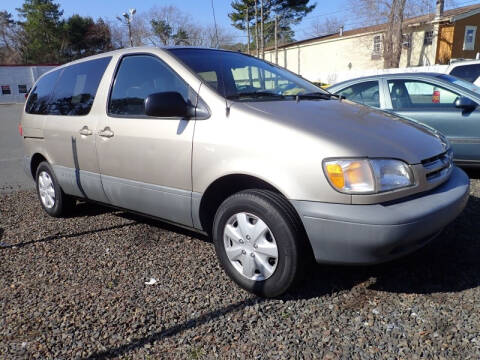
{"x":367,"y":176}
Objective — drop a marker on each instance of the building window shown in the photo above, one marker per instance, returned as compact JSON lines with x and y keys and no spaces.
{"x":469,"y":40}
{"x":377,"y":44}
{"x":428,"y":39}
{"x":22,"y":89}
{"x":6,"y":90}
{"x":406,"y":41}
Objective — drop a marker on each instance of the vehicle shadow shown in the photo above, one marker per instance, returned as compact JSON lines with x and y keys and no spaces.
{"x":473,"y":172}
{"x":448,"y":264}
{"x":86,"y":208}
{"x":49,"y":238}
{"x":164,"y":226}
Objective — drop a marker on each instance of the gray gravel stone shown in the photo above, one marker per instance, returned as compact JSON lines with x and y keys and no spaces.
{"x":75,"y":288}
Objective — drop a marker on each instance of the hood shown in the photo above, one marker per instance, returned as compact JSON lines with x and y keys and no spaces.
{"x":360,"y":130}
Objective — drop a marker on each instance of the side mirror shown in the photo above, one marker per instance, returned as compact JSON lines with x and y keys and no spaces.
{"x":168,"y":104}
{"x":465,"y":103}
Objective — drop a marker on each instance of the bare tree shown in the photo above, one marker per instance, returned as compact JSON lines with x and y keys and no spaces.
{"x":391,"y":13}
{"x":10,"y":39}
{"x":168,"y":25}
{"x":326,"y":26}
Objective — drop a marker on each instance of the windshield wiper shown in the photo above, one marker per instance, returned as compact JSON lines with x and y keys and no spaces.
{"x":316,"y":95}
{"x":256,"y":94}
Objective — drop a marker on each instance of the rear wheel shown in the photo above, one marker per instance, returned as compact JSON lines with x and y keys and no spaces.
{"x":53,"y":200}
{"x":259,"y":242}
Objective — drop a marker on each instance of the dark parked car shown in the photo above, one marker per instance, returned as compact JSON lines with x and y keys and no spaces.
{"x":441,"y":101}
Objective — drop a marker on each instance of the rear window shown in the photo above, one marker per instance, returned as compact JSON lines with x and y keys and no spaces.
{"x":469,"y":73}
{"x":37,"y":102}
{"x":76,"y":88}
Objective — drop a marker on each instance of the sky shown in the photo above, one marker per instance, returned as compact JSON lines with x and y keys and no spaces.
{"x":201,"y":11}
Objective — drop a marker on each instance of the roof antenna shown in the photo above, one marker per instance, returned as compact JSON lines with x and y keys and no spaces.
{"x":215,"y":22}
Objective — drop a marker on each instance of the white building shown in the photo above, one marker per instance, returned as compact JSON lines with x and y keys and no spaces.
{"x":17,"y":80}
{"x":428,"y":40}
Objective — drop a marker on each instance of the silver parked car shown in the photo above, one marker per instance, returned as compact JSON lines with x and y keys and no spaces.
{"x":443,"y":102}
{"x":276,"y":169}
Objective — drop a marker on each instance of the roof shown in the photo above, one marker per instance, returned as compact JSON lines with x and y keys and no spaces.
{"x":448,"y":15}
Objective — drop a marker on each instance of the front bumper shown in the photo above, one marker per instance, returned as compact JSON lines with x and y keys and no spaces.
{"x":366,"y":234}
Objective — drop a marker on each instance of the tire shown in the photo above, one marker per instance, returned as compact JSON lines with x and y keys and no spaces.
{"x":243,"y":216}
{"x":52,"y":198}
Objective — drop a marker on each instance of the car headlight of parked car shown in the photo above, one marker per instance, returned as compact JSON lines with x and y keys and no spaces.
{"x":367,"y":176}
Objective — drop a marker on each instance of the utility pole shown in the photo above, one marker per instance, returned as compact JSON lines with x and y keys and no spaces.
{"x":128,"y":21}
{"x":262,"y":38}
{"x":247,"y":20}
{"x":276,"y":40}
{"x":256,"y":29}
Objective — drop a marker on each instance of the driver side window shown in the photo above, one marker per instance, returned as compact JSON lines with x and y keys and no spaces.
{"x":413,"y":94}
{"x":138,"y":77}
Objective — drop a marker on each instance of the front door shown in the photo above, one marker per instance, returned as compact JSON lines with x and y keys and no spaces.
{"x":145,"y":161}
{"x":434,"y":105}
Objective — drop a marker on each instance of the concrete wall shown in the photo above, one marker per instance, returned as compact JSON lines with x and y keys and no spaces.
{"x":13,"y":76}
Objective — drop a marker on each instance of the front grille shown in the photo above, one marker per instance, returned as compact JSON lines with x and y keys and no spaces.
{"x":438,"y":167}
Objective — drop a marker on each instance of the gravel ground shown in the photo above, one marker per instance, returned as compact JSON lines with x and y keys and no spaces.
{"x":75,"y":288}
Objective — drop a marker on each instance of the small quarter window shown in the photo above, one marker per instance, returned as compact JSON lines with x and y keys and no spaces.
{"x":38,"y":100}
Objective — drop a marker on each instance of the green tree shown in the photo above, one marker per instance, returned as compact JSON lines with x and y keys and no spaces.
{"x":181,"y":37}
{"x":42,"y":28}
{"x":163,"y":30}
{"x":288,"y":13}
{"x":84,"y":37}
{"x":75,"y":31}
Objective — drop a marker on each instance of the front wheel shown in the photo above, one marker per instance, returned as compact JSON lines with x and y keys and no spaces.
{"x":53,"y":200}
{"x":259,"y":242}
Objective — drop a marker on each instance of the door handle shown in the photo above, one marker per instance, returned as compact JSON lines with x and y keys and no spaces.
{"x":106,"y":133}
{"x":86,"y":131}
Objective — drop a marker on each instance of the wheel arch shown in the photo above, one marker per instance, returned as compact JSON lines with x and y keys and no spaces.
{"x":36,"y":159}
{"x":221,"y":189}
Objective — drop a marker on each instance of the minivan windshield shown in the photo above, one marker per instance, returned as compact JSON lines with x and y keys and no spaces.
{"x":241,"y":77}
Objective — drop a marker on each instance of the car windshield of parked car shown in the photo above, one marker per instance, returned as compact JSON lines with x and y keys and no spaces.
{"x":460,"y":82}
{"x":241,"y":77}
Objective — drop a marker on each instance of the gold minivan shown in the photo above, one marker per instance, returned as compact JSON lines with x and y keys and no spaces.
{"x":275,"y":169}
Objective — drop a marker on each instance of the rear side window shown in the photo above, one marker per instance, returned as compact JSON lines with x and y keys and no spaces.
{"x":467,"y":72}
{"x":366,"y":93}
{"x":138,"y":77}
{"x":76,"y":88}
{"x":39,"y":96}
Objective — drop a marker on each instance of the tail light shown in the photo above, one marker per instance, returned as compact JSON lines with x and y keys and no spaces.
{"x":20,"y":129}
{"x":26,"y":95}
